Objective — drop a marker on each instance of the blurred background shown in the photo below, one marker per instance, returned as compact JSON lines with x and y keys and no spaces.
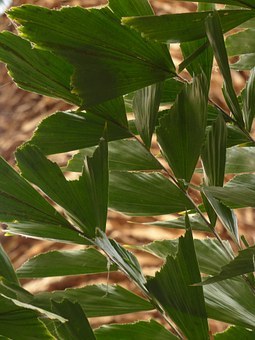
{"x":20,"y":113}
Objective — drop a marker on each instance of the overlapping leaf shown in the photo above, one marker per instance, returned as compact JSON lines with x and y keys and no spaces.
{"x":77,"y":327}
{"x":85,"y":200}
{"x":214,"y":32}
{"x":124,"y":155}
{"x":6,"y":269}
{"x":210,"y":255}
{"x":240,"y":159}
{"x":172,"y":288}
{"x":237,"y":333}
{"x":241,"y":3}
{"x":248,"y":98}
{"x":35,"y":70}
{"x":242,"y":264}
{"x":143,"y":194}
{"x":196,"y":222}
{"x":181,"y":130}
{"x":98,"y":300}
{"x":237,"y":193}
{"x":142,"y":330}
{"x":107,"y":65}
{"x":124,"y":259}
{"x":60,"y":263}
{"x":175,"y":28}
{"x":27,"y":213}
{"x":145,"y":105}
{"x":231,"y":301}
{"x":80,"y":130}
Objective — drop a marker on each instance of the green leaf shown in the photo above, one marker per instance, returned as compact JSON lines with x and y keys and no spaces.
{"x":112,"y":110}
{"x":98,"y":300}
{"x":231,"y":301}
{"x":69,"y":262}
{"x":145,"y":105}
{"x":6,"y":269}
{"x":236,"y":333}
{"x":241,"y":43}
{"x":171,"y":287}
{"x":124,"y":259}
{"x":77,"y":327}
{"x":240,"y":159}
{"x":199,"y":51}
{"x":236,"y":137}
{"x":124,"y":155}
{"x":214,"y":153}
{"x":210,"y":254}
{"x":22,"y":298}
{"x":27,"y":213}
{"x":242,"y":3}
{"x":134,"y":194}
{"x":245,"y":62}
{"x":170,"y":89}
{"x":46,"y":232}
{"x":242,"y":264}
{"x":142,"y":330}
{"x":105,"y":63}
{"x":84,"y":200}
{"x":224,"y":213}
{"x":215,"y":35}
{"x":196,"y":222}
{"x":175,"y":28}
{"x":81,"y":130}
{"x":181,"y":130}
{"x":237,"y":193}
{"x":249,"y":101}
{"x":17,"y":322}
{"x":35,"y":70}
{"x":130,"y":7}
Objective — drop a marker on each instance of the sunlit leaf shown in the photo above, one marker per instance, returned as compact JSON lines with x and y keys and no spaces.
{"x":183,"y":27}
{"x":124,"y":259}
{"x":98,"y":300}
{"x":65,"y":262}
{"x":236,"y":333}
{"x":240,"y":159}
{"x":172,"y":288}
{"x":210,"y":254}
{"x":106,"y":65}
{"x":196,"y":222}
{"x":35,"y":70}
{"x":130,"y":7}
{"x":231,"y":301}
{"x":241,"y":43}
{"x":237,"y":193}
{"x":243,"y":263}
{"x":134,"y":194}
{"x":124,"y":155}
{"x":17,"y":322}
{"x":80,"y":129}
{"x":85,"y":199}
{"x":142,"y":330}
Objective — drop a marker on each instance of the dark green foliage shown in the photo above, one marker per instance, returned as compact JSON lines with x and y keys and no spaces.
{"x":114,"y":64}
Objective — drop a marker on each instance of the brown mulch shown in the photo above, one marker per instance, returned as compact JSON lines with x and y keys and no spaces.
{"x":20,"y":113}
